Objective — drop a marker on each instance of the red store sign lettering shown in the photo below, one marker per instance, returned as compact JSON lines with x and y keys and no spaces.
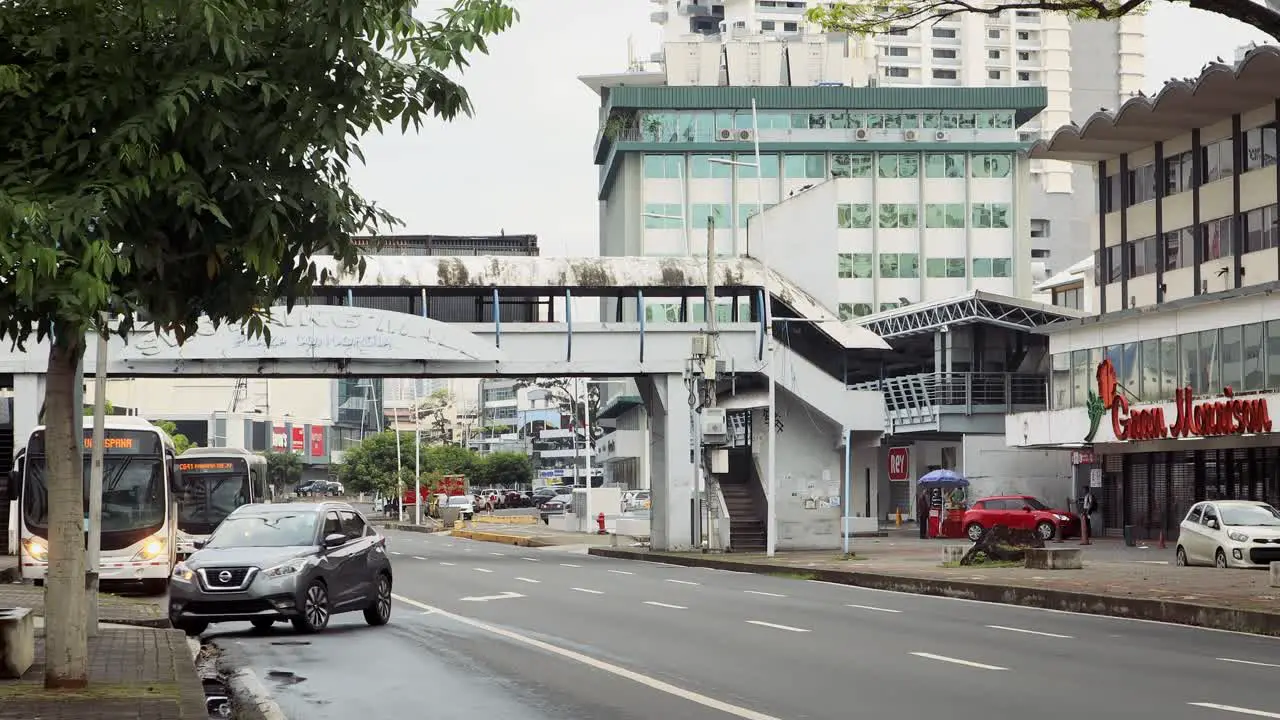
{"x":1214,"y":418}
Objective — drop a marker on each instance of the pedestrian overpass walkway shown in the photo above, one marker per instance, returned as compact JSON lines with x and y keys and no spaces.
{"x":336,"y":340}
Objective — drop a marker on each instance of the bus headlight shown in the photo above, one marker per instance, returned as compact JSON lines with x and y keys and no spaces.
{"x":152,"y":548}
{"x":36,"y":550}
{"x":182,"y":572}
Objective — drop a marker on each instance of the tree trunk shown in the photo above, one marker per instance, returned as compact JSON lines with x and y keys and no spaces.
{"x":66,"y":610}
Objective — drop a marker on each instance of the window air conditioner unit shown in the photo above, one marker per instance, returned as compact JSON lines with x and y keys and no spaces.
{"x":941,"y":136}
{"x":860,"y":134}
{"x":724,"y":135}
{"x":745,"y":135}
{"x":909,"y":136}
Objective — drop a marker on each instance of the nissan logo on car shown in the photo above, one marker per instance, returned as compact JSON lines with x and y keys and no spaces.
{"x":224,"y":577}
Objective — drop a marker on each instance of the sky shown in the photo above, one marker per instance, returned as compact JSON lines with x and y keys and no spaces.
{"x":522,"y":163}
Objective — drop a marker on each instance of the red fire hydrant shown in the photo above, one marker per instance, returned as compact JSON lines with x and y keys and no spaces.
{"x":600,"y":524}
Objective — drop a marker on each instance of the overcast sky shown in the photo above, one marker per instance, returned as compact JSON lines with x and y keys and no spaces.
{"x":523,"y":163}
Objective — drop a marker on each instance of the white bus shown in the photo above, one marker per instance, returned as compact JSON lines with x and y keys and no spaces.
{"x":216,"y":481}
{"x":139,"y":512}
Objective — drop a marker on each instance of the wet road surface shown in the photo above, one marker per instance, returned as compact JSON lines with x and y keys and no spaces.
{"x":553,"y":633}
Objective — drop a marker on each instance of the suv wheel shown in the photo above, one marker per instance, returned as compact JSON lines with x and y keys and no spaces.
{"x":315,"y":609}
{"x":379,"y":613}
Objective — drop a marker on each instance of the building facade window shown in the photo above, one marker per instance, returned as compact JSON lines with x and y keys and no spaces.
{"x":944,"y":267}
{"x":992,"y":267}
{"x":990,"y":215}
{"x":663,"y":216}
{"x":999,"y":165}
{"x":659,"y":167}
{"x":1068,"y":298}
{"x":704,"y":213}
{"x":811,"y":166}
{"x":851,"y":165}
{"x":944,"y":165}
{"x":853,"y":216}
{"x":899,"y":165}
{"x":702,"y":167}
{"x":898,"y":215}
{"x":944,"y":215}
{"x":899,"y":265}
{"x":854,"y":265}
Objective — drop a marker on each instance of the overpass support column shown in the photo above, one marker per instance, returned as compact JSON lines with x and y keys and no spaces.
{"x":671,"y":469}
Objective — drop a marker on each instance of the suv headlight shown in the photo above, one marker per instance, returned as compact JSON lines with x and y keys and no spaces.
{"x":292,"y":567}
{"x":152,"y":548}
{"x":1238,"y":536}
{"x":182,"y":572}
{"x":36,"y":550}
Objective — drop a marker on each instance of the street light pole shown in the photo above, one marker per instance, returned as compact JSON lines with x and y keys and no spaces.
{"x":417,"y":458}
{"x":95,"y":479}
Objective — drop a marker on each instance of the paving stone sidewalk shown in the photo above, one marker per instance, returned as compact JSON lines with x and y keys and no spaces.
{"x":134,"y":674}
{"x":121,"y":610}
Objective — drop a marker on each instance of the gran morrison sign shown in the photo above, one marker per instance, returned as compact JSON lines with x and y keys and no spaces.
{"x":325,"y":332}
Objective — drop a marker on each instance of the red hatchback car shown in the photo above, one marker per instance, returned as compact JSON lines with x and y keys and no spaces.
{"x":1022,"y":512}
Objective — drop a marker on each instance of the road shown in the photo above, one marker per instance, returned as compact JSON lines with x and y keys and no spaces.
{"x":554,"y":633}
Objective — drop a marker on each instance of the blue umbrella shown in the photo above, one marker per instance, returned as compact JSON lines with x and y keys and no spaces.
{"x":944,"y":477}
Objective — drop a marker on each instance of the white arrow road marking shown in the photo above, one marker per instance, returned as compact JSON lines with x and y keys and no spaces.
{"x":645,"y":680}
{"x":487,"y":598}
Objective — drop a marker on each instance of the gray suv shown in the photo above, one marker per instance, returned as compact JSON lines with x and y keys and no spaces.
{"x":300,"y":562}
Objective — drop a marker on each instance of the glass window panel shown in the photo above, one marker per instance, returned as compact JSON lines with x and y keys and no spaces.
{"x":935,"y":267}
{"x":844,"y":216}
{"x":1000,"y":215}
{"x":1060,"y":380}
{"x":655,"y":166}
{"x":935,"y":215}
{"x":981,"y":216}
{"x":1210,"y":370}
{"x":815,"y":166}
{"x":1080,"y":375}
{"x":1129,"y":370}
{"x":955,"y":267}
{"x":1253,"y":353}
{"x":1169,"y":375}
{"x":841,"y":166}
{"x":846,"y":311}
{"x":1001,"y":267}
{"x":888,"y":215}
{"x":844,"y":265}
{"x":1189,"y":361}
{"x":909,"y":165}
{"x":982,"y":267}
{"x":888,"y":165}
{"x":862,"y":265}
{"x":1149,"y":379}
{"x":955,"y":215}
{"x":701,"y":166}
{"x":935,"y":165}
{"x":1232,"y":360}
{"x":860,"y":165}
{"x":889,"y":265}
{"x":908,"y":215}
{"x":908,"y":265}
{"x":768,"y":162}
{"x":1273,"y":355}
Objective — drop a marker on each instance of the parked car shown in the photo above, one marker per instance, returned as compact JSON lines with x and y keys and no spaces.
{"x":514,"y":499}
{"x":1230,"y":533}
{"x":1019,"y":512}
{"x":545,"y":494}
{"x":301,"y":562}
{"x":557,"y":505}
{"x":464,"y":505}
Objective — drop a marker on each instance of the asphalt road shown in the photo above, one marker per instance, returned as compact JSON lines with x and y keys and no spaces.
{"x":554,"y":633}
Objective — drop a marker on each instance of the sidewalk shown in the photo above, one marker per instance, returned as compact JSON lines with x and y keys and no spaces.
{"x":1115,"y":580}
{"x":116,"y":609}
{"x":528,"y":535}
{"x":134,"y":674}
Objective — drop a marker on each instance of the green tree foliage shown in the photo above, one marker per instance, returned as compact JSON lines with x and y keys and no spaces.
{"x":867,"y":17}
{"x":180,"y":442}
{"x":508,"y":469}
{"x":570,"y":395}
{"x":284,"y":468}
{"x":370,"y":467}
{"x":170,"y":159}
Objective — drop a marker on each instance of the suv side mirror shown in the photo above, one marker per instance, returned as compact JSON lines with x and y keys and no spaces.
{"x":1212,"y":524}
{"x":335,"y":540}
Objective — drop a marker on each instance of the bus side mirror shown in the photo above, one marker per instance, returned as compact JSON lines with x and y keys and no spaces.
{"x":175,"y":478}
{"x":14,"y":491}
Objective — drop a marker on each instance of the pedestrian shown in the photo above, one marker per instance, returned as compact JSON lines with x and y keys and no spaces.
{"x":1088,"y":506}
{"x":922,"y":512}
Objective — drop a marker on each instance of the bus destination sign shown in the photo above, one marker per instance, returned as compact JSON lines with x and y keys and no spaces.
{"x":115,"y":442}
{"x":208,"y":466}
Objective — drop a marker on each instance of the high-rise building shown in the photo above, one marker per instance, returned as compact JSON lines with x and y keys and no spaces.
{"x":1084,"y":66}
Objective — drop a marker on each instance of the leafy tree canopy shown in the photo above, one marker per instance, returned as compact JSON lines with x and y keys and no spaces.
{"x":371,"y":465}
{"x":180,"y":442}
{"x":873,"y":16}
{"x":569,"y":395}
{"x":284,"y":468}
{"x":508,"y":469}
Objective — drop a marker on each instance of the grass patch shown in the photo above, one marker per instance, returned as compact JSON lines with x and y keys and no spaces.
{"x":95,"y":692}
{"x":846,"y":557}
{"x":989,"y":564}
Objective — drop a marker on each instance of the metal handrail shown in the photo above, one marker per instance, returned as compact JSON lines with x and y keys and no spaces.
{"x":975,"y":392}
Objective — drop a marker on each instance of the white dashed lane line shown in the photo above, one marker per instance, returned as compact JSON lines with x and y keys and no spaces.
{"x":655,"y":603}
{"x":1032,"y":632}
{"x":682,"y":582}
{"x":958,"y":661}
{"x":1249,"y":662}
{"x":1236,"y":710}
{"x":761,"y":592}
{"x":621,"y":572}
{"x":775,"y":626}
{"x":483,"y":570}
{"x":569,"y":565}
{"x":448,"y":564}
{"x":873,"y":608}
{"x":531,"y":559}
{"x":528,"y":580}
{"x":418,"y":557}
{"x":587,"y":591}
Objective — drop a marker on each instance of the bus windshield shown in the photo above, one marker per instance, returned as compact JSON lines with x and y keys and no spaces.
{"x":208,"y":498}
{"x":133,"y":493}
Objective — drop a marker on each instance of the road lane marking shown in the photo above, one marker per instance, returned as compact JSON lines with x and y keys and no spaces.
{"x":761,"y":592}
{"x":393,"y":552}
{"x":569,"y":565}
{"x":531,"y":559}
{"x":447,"y":564}
{"x":649,"y":682}
{"x":621,"y":572}
{"x":528,"y":580}
{"x":788,"y":628}
{"x":1237,"y":710}
{"x":1249,"y":662}
{"x":484,"y":570}
{"x":1035,"y":632}
{"x":497,"y":553}
{"x":874,"y":608}
{"x":958,"y":661}
{"x":487,"y":598}
{"x":589,"y":592}
{"x":655,"y":603}
{"x":682,"y":582}
{"x":418,"y":557}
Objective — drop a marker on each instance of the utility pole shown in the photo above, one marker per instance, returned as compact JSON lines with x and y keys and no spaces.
{"x":703,"y":391}
{"x":94,"y":546}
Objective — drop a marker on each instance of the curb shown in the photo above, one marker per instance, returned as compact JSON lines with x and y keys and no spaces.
{"x":1178,"y":613}
{"x":154,"y":623}
{"x":10,"y":575}
{"x":517,"y":540}
{"x":410,"y":528}
{"x":507,"y":519}
{"x":249,"y":699}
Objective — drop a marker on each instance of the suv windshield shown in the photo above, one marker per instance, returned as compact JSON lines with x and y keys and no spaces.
{"x":282,"y":529}
{"x":1255,"y":515}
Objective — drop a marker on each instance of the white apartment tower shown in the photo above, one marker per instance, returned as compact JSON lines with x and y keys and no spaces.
{"x":1084,"y":66}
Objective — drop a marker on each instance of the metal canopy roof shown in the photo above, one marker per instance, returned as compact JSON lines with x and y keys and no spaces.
{"x":974,"y":307}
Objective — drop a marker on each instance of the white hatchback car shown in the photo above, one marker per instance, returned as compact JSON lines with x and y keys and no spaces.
{"x":1230,"y":533}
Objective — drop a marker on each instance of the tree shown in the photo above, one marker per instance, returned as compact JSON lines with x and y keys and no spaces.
{"x":284,"y":468}
{"x":569,"y":395}
{"x":172,"y":159}
{"x":433,"y":411}
{"x":370,"y":467}
{"x":180,"y":442}
{"x":870,"y":16}
{"x":509,"y":469}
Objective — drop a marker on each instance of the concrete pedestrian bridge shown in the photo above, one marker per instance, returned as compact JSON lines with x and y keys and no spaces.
{"x":332,"y":337}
